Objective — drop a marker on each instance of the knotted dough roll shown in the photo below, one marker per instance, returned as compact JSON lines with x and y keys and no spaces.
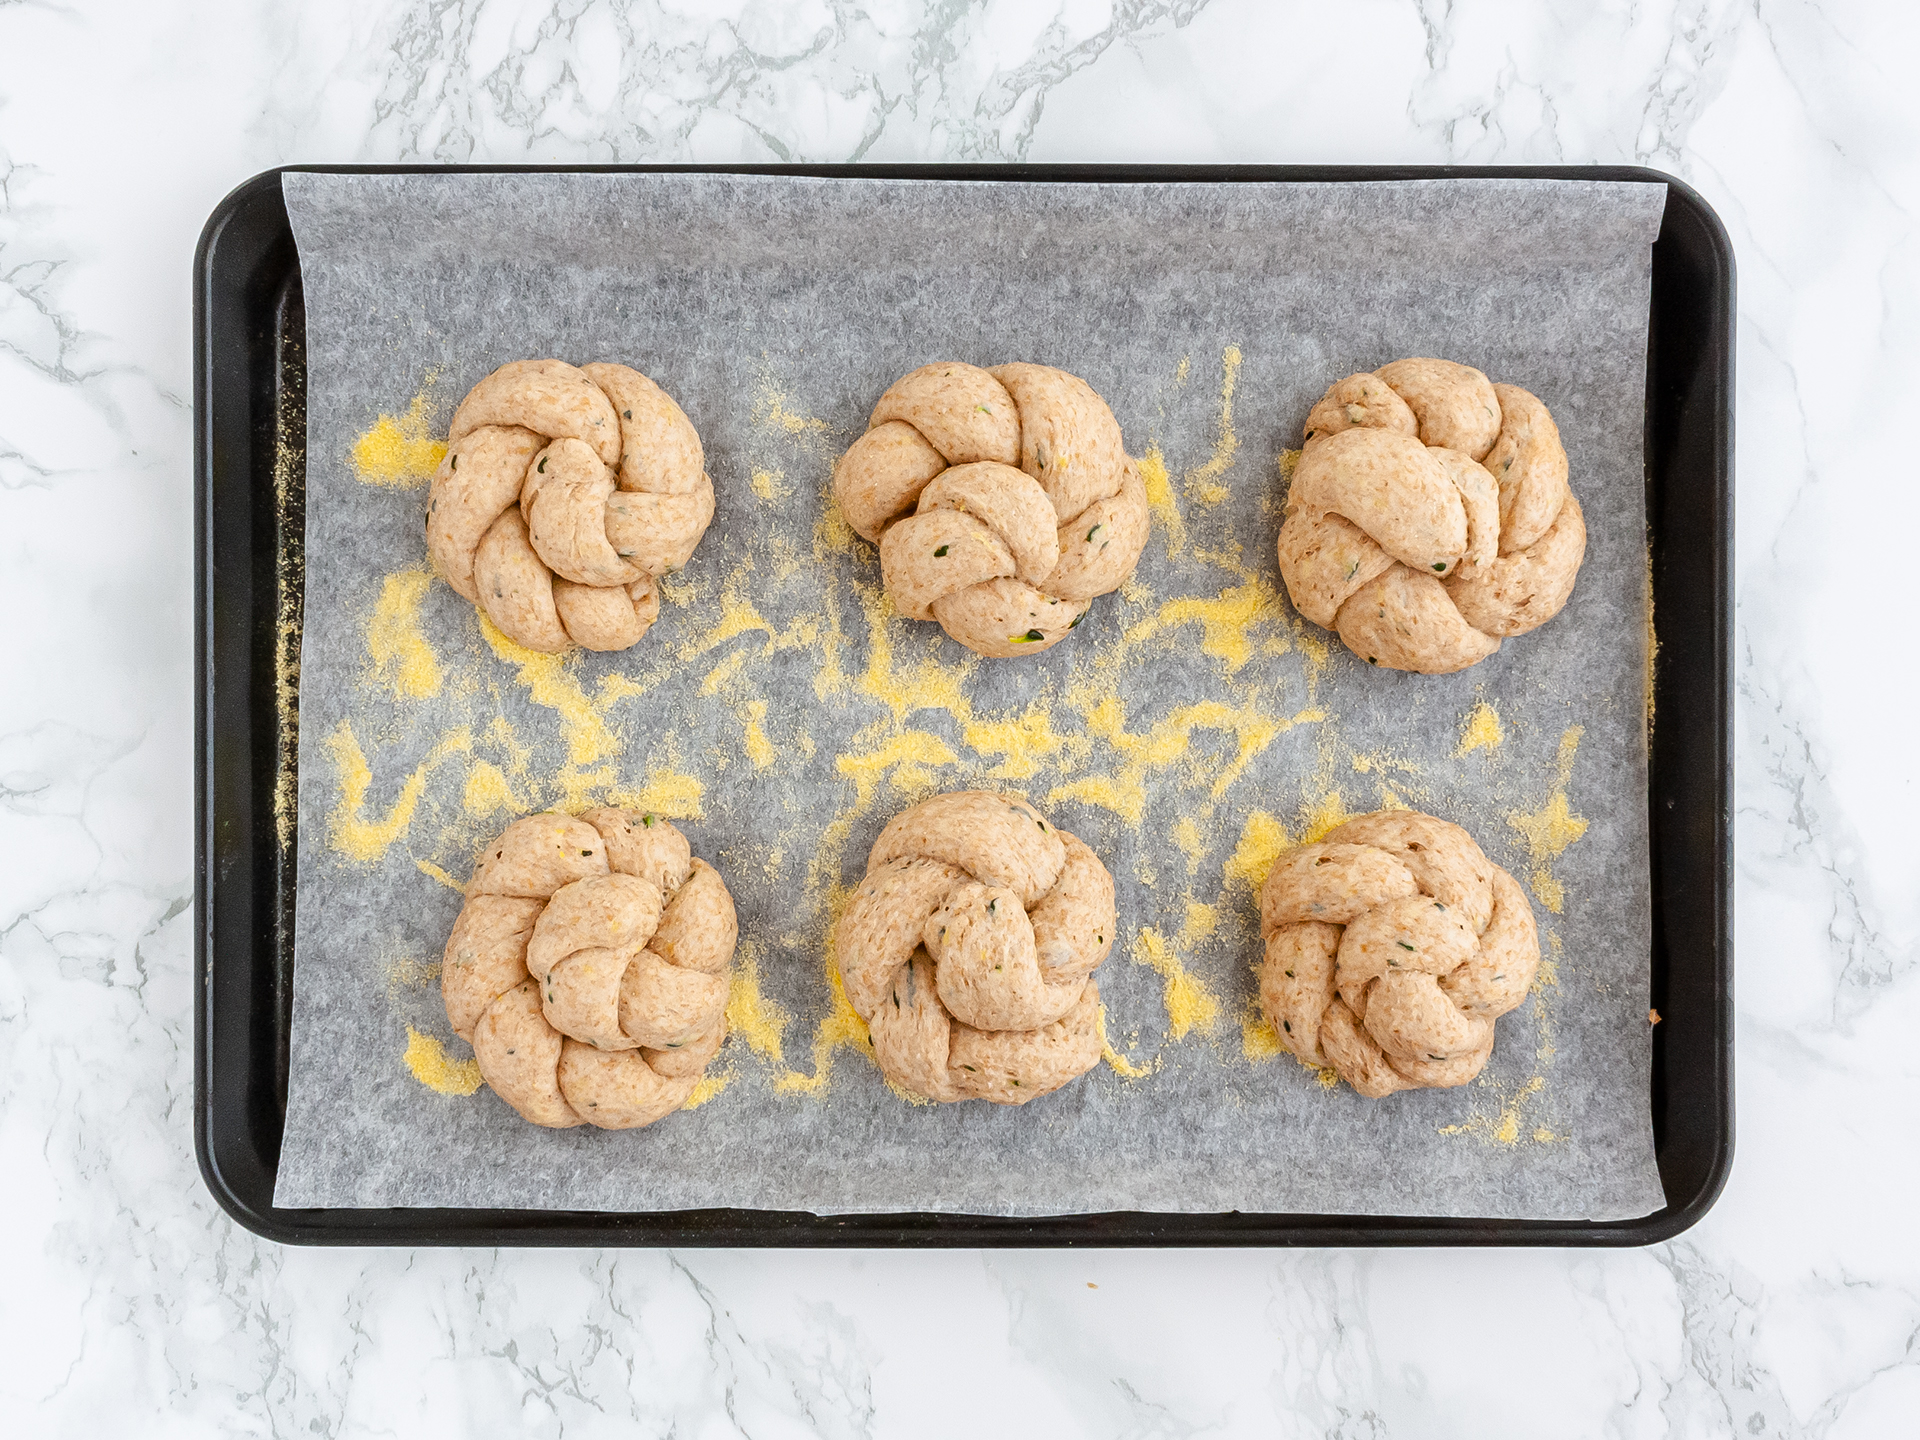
{"x":564,"y":493}
{"x":970,"y":946}
{"x":588,"y":968}
{"x":1429,"y":516}
{"x":1002,"y":500}
{"x":1391,"y":948}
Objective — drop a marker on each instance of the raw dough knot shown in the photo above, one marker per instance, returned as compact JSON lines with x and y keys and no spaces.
{"x":1002,"y":500}
{"x":1392,"y":947}
{"x":1429,"y":516}
{"x":969,"y":949}
{"x":588,"y":968}
{"x":564,"y":493}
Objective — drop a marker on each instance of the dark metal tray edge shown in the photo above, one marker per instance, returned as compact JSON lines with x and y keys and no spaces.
{"x":242,"y":898}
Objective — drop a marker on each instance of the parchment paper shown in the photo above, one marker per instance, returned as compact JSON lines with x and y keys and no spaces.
{"x":784,"y":717}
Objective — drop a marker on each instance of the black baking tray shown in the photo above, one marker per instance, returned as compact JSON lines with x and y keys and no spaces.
{"x":249,"y":467}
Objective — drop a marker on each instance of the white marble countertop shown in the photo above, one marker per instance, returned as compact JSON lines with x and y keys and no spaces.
{"x":1793,"y":1309}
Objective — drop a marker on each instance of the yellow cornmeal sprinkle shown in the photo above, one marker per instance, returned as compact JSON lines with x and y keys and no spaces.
{"x":908,"y":751}
{"x":550,"y":683}
{"x":1552,"y":828}
{"x":1117,"y":1062}
{"x":1482,"y":730}
{"x":407,"y":973}
{"x":1186,"y":835}
{"x":841,"y":1029}
{"x":926,"y":684}
{"x":1262,"y":838}
{"x":753,"y":719}
{"x":398,"y":450}
{"x":1258,"y":1040}
{"x":770,"y":410}
{"x":1203,"y":483}
{"x":1190,"y":1005}
{"x":767,"y":484}
{"x":401,"y":656}
{"x":487,"y":791}
{"x":723,"y":673}
{"x":1329,"y":812}
{"x":1223,"y":619}
{"x":1025,"y":742}
{"x":1503,"y":1129}
{"x":668,"y":792}
{"x":434,"y":872}
{"x":435,"y":1069}
{"x":1160,"y":499}
{"x":707,"y":1087}
{"x":1166,"y":743}
{"x":351,"y":833}
{"x":751,"y":1015}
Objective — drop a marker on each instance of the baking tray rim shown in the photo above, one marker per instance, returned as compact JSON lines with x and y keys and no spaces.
{"x":1695,"y":663}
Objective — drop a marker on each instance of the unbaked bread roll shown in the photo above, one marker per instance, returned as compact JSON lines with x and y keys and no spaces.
{"x":970,"y":946}
{"x":564,"y":493}
{"x":1002,"y":500}
{"x":588,"y":968}
{"x":1392,"y":947}
{"x":1429,"y":516}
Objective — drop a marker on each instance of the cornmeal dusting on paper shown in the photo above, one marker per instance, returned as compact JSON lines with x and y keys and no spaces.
{"x":487,"y":791}
{"x":668,"y":792}
{"x":1166,"y":743}
{"x":1329,"y":812}
{"x":399,"y":450}
{"x":770,"y":410}
{"x":434,"y":872}
{"x":708,"y":1086}
{"x":1224,"y":620}
{"x":550,"y":683}
{"x":435,"y":1069}
{"x":753,"y":720}
{"x":751,"y":1015}
{"x":767,"y":484}
{"x":404,"y":972}
{"x":350,"y":832}
{"x":1503,"y":1128}
{"x":1186,"y":835}
{"x":1481,"y":730}
{"x":402,"y":658}
{"x":1190,"y":1005}
{"x":841,"y":1029}
{"x":1203,"y":484}
{"x":1118,"y":1063}
{"x":1262,"y":838}
{"x":1259,"y":1041}
{"x":1027,"y":742}
{"x":1160,"y":499}
{"x":1552,"y":828}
